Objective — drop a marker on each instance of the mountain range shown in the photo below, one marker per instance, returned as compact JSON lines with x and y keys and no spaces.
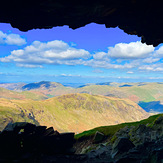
{"x":147,"y":95}
{"x":72,"y":112}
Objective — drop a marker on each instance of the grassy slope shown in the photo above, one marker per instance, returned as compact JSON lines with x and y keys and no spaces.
{"x":8,"y":94}
{"x":137,"y":92}
{"x":73,"y":112}
{"x":10,"y":112}
{"x":111,"y":130}
{"x":146,"y":93}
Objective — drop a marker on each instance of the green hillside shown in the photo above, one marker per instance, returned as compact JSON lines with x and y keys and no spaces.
{"x":136,"y":92}
{"x":148,"y":95}
{"x":145,"y":92}
{"x":22,"y":95}
{"x":111,"y":130}
{"x":72,"y":112}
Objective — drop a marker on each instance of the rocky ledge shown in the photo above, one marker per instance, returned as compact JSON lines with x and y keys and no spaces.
{"x":131,"y":144}
{"x":25,"y":142}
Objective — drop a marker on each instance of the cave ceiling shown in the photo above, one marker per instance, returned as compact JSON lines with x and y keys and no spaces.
{"x":138,"y":17}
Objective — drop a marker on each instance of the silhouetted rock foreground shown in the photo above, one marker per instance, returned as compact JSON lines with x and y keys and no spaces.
{"x":25,"y":142}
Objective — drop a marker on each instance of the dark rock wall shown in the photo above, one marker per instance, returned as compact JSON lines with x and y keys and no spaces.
{"x":139,"y":17}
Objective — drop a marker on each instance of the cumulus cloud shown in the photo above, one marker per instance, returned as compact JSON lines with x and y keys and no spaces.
{"x":11,"y":39}
{"x":133,"y":50}
{"x":159,"y":52}
{"x":101,"y":56}
{"x":130,"y":57}
{"x":53,"y":52}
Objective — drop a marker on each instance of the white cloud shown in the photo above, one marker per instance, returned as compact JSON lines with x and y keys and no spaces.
{"x":133,"y":50}
{"x":11,"y":39}
{"x":155,"y":77}
{"x":108,"y":65}
{"x":122,"y":56}
{"x":130,"y":72}
{"x":151,"y":60}
{"x":53,"y":52}
{"x":154,"y":67}
{"x":159,"y":52}
{"x":29,"y":66}
{"x":68,"y":75}
{"x":101,"y":56}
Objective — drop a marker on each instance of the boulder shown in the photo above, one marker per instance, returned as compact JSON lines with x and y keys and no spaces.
{"x":123,"y":132}
{"x":99,"y":137}
{"x":121,"y":146}
{"x":49,"y":131}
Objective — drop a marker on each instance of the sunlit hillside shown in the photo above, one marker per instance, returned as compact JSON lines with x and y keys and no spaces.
{"x":72,"y":112}
{"x":148,"y":95}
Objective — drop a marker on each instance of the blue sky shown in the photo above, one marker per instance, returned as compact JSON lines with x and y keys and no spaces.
{"x":89,"y":54}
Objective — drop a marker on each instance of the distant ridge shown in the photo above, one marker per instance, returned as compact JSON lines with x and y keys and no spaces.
{"x":42,"y":84}
{"x":20,"y":95}
{"x":126,"y":85}
{"x":105,"y":83}
{"x":12,"y":86}
{"x":147,"y":94}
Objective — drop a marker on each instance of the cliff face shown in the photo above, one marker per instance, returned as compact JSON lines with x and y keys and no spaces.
{"x":72,"y":112}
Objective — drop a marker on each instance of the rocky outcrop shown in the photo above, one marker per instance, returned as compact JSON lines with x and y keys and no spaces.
{"x":131,"y":144}
{"x":25,"y":142}
{"x":98,"y":137}
{"x":21,"y":139}
{"x":121,"y":146}
{"x":138,"y":17}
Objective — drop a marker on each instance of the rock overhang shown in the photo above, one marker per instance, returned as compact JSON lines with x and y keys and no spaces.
{"x":136,"y":17}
